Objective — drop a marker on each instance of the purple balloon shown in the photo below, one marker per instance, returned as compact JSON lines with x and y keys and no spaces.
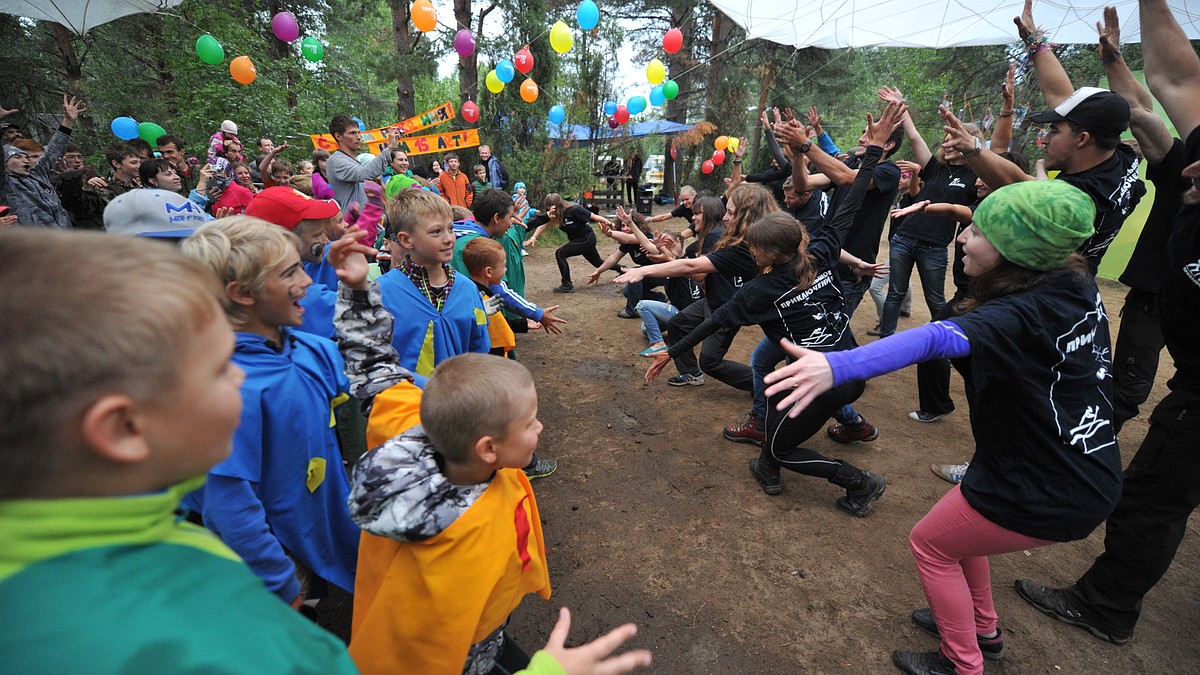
{"x":613,"y":123}
{"x":285,"y":27}
{"x":464,"y":43}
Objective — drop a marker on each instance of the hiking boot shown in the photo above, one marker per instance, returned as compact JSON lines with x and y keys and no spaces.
{"x":874,"y":331}
{"x":858,"y":500}
{"x":992,"y":648}
{"x":842,"y":433}
{"x":626,"y":314}
{"x":540,"y":467}
{"x":565,"y":288}
{"x":924,"y":663}
{"x":684,"y":379}
{"x":951,"y":473}
{"x":1058,"y":603}
{"x":749,"y":430}
{"x":922,"y":416}
{"x":767,"y":477}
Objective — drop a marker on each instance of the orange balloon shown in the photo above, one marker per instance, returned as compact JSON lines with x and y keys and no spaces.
{"x":424,"y":16}
{"x":242,"y":69}
{"x":721,"y":143}
{"x":529,"y":90}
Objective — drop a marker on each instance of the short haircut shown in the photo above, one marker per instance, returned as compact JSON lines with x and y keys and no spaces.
{"x":302,"y":183}
{"x":28,"y":145}
{"x":241,"y":249}
{"x":75,"y":333}
{"x":71,"y":147}
{"x":471,"y":396}
{"x":118,"y":152}
{"x":319,"y":155}
{"x":897,"y":140}
{"x":411,"y":207}
{"x":263,"y":138}
{"x":460,"y":213}
{"x":340,"y":123}
{"x":449,"y":156}
{"x":482,"y":252}
{"x":686,"y":189}
{"x":170,"y":139}
{"x":150,"y":169}
{"x":280,"y":164}
{"x":1102,"y":142}
{"x":789,"y":185}
{"x":477,"y":168}
{"x":489,"y":204}
{"x":141,"y":147}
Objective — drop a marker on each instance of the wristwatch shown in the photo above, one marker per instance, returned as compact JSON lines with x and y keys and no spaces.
{"x":976,"y":150}
{"x":805,"y":147}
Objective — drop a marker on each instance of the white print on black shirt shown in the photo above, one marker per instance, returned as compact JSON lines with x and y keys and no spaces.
{"x":825,"y":328}
{"x":1082,"y":421}
{"x":1122,"y":197}
{"x":1192,"y":271}
{"x":956,"y":182}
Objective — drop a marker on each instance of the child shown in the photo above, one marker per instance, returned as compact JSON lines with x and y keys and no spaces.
{"x":218,"y":145}
{"x":576,"y":222}
{"x":454,"y":537}
{"x":485,"y":262}
{"x":481,"y":179}
{"x":453,"y":185}
{"x":279,"y":500}
{"x":119,"y":395}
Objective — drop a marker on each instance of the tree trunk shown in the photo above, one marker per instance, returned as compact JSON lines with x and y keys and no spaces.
{"x":763,"y":92}
{"x":72,"y":66}
{"x":402,"y":37}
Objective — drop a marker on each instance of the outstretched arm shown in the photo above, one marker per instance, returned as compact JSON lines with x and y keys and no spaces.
{"x":1172,"y":67}
{"x":1052,"y":77}
{"x":1002,"y":134}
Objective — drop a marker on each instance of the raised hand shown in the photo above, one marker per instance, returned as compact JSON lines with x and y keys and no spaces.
{"x":1110,"y":35}
{"x":791,"y":134}
{"x":891,"y":94}
{"x":807,"y":377}
{"x":224,"y":212}
{"x":878,"y":132}
{"x":741,"y":149}
{"x":1025,"y":24}
{"x":957,"y":137}
{"x":5,"y":113}
{"x":1008,"y":89}
{"x":814,"y":121}
{"x":72,"y":108}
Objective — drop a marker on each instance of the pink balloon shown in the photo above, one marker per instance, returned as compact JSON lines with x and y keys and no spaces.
{"x":285,"y":27}
{"x":613,"y":123}
{"x":464,"y":43}
{"x":470,"y":111}
{"x":707,"y":166}
{"x":622,"y":114}
{"x":718,"y":157}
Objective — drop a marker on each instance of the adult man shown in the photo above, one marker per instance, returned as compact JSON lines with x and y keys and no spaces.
{"x":10,"y":132}
{"x":171,"y":148}
{"x":810,"y":207}
{"x":344,"y":173}
{"x":265,"y":147}
{"x":30,"y":192}
{"x":495,"y":172}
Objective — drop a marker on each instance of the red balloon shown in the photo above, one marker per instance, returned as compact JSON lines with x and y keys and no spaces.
{"x":613,"y":123}
{"x":707,"y":166}
{"x":523,"y":60}
{"x":673,"y":40}
{"x":470,"y":111}
{"x":718,"y":157}
{"x":622,"y":114}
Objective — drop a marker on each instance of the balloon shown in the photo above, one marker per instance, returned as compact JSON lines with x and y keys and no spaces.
{"x":718,"y":157}
{"x":470,"y":111}
{"x":494,"y":84}
{"x":673,"y":40}
{"x":708,"y":166}
{"x":588,"y":15}
{"x":285,"y":27}
{"x":150,"y":132}
{"x":529,"y":90}
{"x":560,"y":37}
{"x":670,"y":89}
{"x":721,"y":143}
{"x":242,"y":69}
{"x":424,"y":16}
{"x":610,"y":108}
{"x":312,"y":49}
{"x":656,"y":95}
{"x":636,"y":105}
{"x":209,"y":50}
{"x":621,"y":115}
{"x":464,"y":43}
{"x":656,"y":72}
{"x":505,"y":71}
{"x":362,"y":126}
{"x":524,"y":60}
{"x":613,"y":123}
{"x":125,"y":128}
{"x":557,"y":114}
{"x":733,"y":144}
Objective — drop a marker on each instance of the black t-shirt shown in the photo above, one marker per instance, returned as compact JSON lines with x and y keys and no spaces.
{"x":577,"y":222}
{"x":1115,"y":187}
{"x":735,"y":266}
{"x":863,"y":238}
{"x":1046,"y":460}
{"x":681,"y":291}
{"x":1147,"y":264}
{"x":636,"y":254}
{"x":1179,"y":295}
{"x":684,"y":212}
{"x":940,"y":183}
{"x":812,"y":213}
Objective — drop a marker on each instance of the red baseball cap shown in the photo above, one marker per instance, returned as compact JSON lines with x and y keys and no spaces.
{"x":287,"y":206}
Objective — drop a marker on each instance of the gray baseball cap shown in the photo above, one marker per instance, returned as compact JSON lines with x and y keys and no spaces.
{"x":148,"y":212}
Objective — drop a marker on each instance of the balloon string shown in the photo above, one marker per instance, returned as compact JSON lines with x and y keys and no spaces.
{"x":710,"y":58}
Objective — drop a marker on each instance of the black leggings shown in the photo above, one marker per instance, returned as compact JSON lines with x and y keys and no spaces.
{"x":712,"y":350}
{"x":933,"y":377}
{"x":785,"y":434}
{"x":584,"y":246}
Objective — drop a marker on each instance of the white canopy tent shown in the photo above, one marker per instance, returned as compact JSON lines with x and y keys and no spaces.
{"x":837,"y":24}
{"x":80,"y":16}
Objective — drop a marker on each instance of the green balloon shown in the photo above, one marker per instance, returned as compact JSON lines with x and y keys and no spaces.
{"x":150,"y":132}
{"x":209,"y":50}
{"x":670,"y":89}
{"x":312,"y":49}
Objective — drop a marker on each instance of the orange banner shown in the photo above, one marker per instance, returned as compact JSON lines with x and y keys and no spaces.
{"x":423,"y":145}
{"x":375,"y":139}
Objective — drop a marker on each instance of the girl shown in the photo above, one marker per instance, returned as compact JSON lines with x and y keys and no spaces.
{"x":241,"y":176}
{"x":576,"y":222}
{"x":798,"y":296}
{"x":161,"y":174}
{"x":1034,"y":350}
{"x":320,"y":179}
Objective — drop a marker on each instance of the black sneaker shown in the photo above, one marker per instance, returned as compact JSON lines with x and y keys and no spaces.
{"x":565,"y":288}
{"x":686,"y":380}
{"x":992,"y":648}
{"x":1057,"y":602}
{"x":626,"y":314}
{"x":540,"y":467}
{"x":922,"y":416}
{"x":924,"y":663}
{"x":769,"y":480}
{"x":858,"y":502}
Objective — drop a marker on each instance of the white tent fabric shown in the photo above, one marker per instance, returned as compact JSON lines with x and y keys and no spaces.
{"x":82,"y":15}
{"x":837,"y":24}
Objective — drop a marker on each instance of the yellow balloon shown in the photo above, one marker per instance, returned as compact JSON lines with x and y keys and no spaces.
{"x":494,"y":84}
{"x":561,"y":38}
{"x":721,"y":143}
{"x":656,"y":72}
{"x":732,"y":144}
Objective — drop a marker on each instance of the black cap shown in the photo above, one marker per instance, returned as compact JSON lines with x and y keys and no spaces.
{"x":1100,"y":111}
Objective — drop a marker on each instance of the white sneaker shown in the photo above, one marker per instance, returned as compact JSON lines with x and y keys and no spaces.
{"x":952,"y":473}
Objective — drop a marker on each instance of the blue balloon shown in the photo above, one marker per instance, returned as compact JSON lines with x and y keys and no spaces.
{"x":125,"y":128}
{"x":636,"y":105}
{"x":610,"y":108}
{"x":588,"y":15}
{"x":557,"y":114}
{"x":506,"y":71}
{"x":657,"y":97}
{"x":362,"y":126}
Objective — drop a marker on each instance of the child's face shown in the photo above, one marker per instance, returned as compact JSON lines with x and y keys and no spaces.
{"x":481,"y":175}
{"x":495,"y":272}
{"x":452,"y":164}
{"x":242,"y":175}
{"x":521,"y":191}
{"x":128,"y":165}
{"x":515,"y":450}
{"x":281,"y":175}
{"x":431,"y":243}
{"x":278,"y":304}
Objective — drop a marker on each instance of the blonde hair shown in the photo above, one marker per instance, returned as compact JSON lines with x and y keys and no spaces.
{"x":302,"y":183}
{"x":118,"y":320}
{"x":480,"y":253}
{"x":411,"y":207}
{"x":243,"y":250}
{"x":471,"y":396}
{"x":461,"y":213}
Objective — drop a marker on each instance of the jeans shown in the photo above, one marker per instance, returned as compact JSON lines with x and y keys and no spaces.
{"x":930,"y":261}
{"x":584,"y":246}
{"x":852,"y":294}
{"x":1135,"y":357}
{"x":654,"y":315}
{"x":878,"y":293}
{"x":637,"y":291}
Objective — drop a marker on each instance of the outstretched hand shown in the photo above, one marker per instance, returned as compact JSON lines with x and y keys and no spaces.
{"x":550,"y":322}
{"x":594,"y":658}
{"x":879,"y":131}
{"x":916,"y":207}
{"x":631,"y":275}
{"x":5,"y":113}
{"x":1110,"y":35}
{"x":791,"y":134}
{"x":814,"y":121}
{"x":656,"y":366}
{"x":808,"y":377}
{"x":891,"y":94}
{"x":957,"y":136}
{"x":72,"y":108}
{"x":865,"y":269}
{"x":349,"y":259}
{"x":1008,"y":89}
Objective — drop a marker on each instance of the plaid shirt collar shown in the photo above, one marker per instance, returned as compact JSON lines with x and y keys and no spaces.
{"x":420,"y":278}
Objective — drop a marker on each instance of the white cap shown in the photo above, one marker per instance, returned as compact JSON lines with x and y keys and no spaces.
{"x":228,"y":127}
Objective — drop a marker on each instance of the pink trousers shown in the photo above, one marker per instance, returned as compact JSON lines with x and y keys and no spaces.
{"x":951,"y":545}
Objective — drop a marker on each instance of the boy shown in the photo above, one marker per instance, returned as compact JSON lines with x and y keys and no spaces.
{"x":485,"y":262}
{"x":481,"y":181}
{"x":459,"y":471}
{"x":30,"y":191}
{"x":454,"y":184}
{"x":119,"y":395}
